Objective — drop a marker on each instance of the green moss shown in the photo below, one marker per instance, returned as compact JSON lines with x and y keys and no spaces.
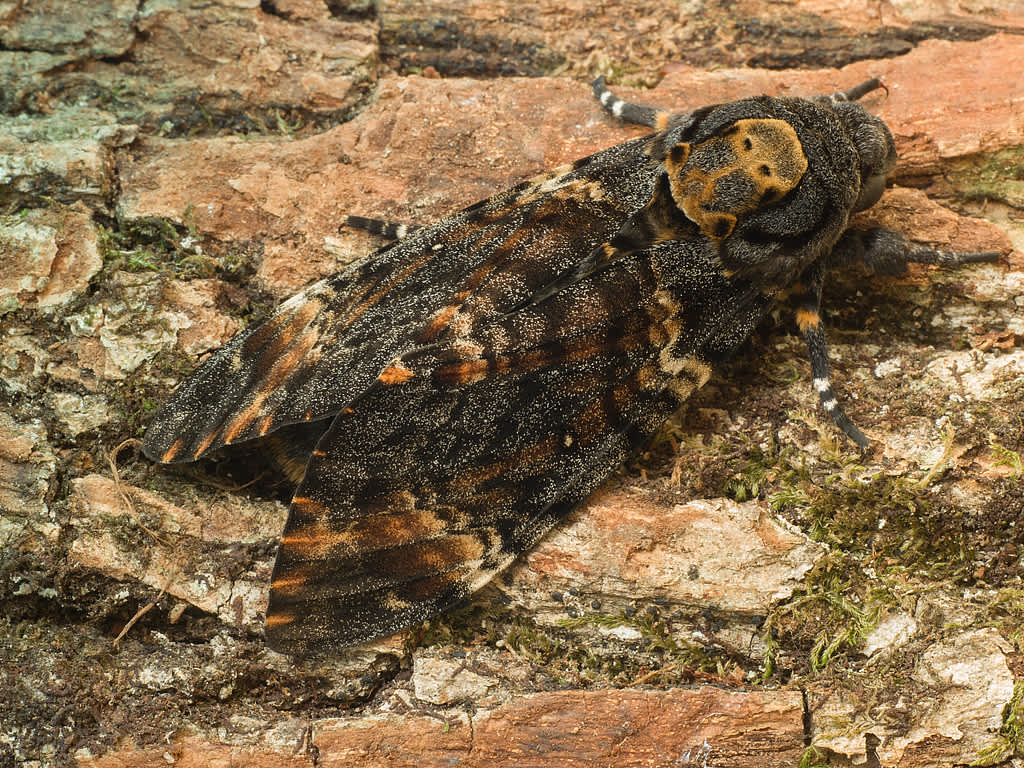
{"x":884,"y":520}
{"x":572,"y":653}
{"x":995,"y":176}
{"x":1011,"y":734}
{"x":1007,"y":613}
{"x":1004,"y":457}
{"x":157,"y":244}
{"x":136,"y":398}
{"x":813,"y":758}
{"x":829,"y":616}
{"x":655,"y":633}
{"x":754,"y":474}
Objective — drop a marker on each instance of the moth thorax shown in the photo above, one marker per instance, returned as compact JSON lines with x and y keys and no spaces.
{"x":752,"y":163}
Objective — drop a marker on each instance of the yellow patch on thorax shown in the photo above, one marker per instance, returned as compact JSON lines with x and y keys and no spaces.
{"x":754,"y":162}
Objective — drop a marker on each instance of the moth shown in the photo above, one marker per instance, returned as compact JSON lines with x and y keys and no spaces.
{"x":445,"y":401}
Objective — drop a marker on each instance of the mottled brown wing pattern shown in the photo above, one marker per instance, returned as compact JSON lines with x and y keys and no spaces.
{"x":437,"y":478}
{"x":447,"y":400}
{"x":326,"y":345}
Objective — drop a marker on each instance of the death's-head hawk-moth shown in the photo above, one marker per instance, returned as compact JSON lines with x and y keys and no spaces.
{"x":445,"y":401}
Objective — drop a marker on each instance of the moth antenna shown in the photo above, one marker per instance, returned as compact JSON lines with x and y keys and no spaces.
{"x":638,"y":114}
{"x":380,"y":227}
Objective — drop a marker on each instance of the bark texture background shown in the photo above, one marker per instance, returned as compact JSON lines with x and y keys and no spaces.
{"x":749,"y":591}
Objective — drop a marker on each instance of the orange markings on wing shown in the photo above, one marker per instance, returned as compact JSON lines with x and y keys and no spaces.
{"x":314,"y":541}
{"x":462,"y":372}
{"x":659,"y":334}
{"x":592,"y":349}
{"x":401,"y":524}
{"x":485,"y":270}
{"x":473,"y":477}
{"x":536,"y":452}
{"x":387,"y":530}
{"x":279,"y":372}
{"x":236,"y":426}
{"x":591,"y":423}
{"x":531,"y":454}
{"x":440,"y":322}
{"x":270,"y":330}
{"x":289,"y":361}
{"x":290,"y":582}
{"x":356,"y":311}
{"x":310,"y":509}
{"x":392,"y":529}
{"x":279,"y":619}
{"x":279,"y":333}
{"x":424,"y":589}
{"x":530,"y":360}
{"x":624,"y":395}
{"x":647,"y":376}
{"x":206,"y":442}
{"x":474,"y":370}
{"x":396,"y":373}
{"x":495,"y":500}
{"x":171,"y":452}
{"x":433,"y":556}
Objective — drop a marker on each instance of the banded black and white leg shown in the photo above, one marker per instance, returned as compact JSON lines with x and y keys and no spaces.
{"x":808,"y":320}
{"x":387,"y":229}
{"x":882,"y":251}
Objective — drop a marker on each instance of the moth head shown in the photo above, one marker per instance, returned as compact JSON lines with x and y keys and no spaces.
{"x":749,"y":164}
{"x":875,"y":146}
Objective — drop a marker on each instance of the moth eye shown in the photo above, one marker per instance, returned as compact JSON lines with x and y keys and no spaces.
{"x":765,"y":170}
{"x":748,"y":144}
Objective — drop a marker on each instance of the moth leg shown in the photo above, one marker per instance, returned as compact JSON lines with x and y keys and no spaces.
{"x":380,"y":227}
{"x":628,"y":111}
{"x":887,"y":252}
{"x":808,"y":318}
{"x":883,"y":251}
